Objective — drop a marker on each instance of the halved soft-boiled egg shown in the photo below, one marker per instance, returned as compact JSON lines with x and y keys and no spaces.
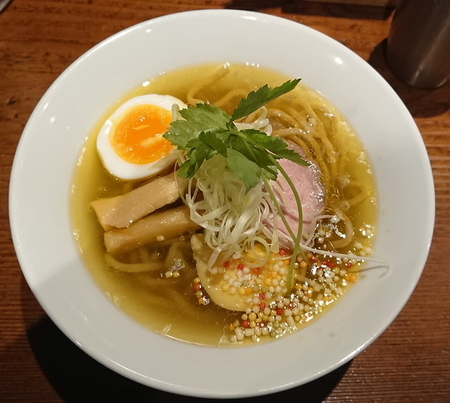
{"x":131,"y":143}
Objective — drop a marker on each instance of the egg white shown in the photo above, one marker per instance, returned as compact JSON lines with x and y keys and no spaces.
{"x":113,"y":162}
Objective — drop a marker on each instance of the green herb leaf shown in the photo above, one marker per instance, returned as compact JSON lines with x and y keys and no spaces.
{"x":213,"y":140}
{"x":206,"y":130}
{"x":198,"y":119}
{"x":257,"y":154}
{"x":244,"y":169}
{"x":275,"y":145}
{"x":292,"y":155}
{"x":195,"y":158}
{"x":262,"y":96}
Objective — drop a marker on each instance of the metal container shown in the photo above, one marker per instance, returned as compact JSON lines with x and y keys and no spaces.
{"x":418,"y":46}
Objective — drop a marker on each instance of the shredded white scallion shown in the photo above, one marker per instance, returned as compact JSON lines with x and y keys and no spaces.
{"x":233,"y":218}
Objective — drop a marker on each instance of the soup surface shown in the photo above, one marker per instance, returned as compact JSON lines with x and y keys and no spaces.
{"x":171,"y":300}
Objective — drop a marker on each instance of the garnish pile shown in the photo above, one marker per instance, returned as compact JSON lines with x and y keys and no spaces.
{"x":205,"y":131}
{"x":251,"y":154}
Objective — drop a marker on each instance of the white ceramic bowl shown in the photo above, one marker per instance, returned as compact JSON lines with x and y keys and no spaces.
{"x":53,"y":139}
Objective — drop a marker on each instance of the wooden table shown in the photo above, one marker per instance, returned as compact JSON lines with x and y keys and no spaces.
{"x":410,"y":362}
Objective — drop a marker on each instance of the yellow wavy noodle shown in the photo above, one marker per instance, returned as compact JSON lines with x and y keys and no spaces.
{"x":131,"y":267}
{"x":207,"y":81}
{"x":234,"y":94}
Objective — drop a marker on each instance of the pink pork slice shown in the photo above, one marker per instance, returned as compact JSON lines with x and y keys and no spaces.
{"x":307,"y":181}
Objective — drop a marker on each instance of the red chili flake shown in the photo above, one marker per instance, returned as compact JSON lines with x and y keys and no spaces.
{"x":240,"y":266}
{"x":292,"y":305}
{"x":280,"y":311}
{"x":226,"y":264}
{"x":260,"y":324}
{"x":197,"y":287}
{"x":256,"y":270}
{"x":348,"y":264}
{"x":329,"y":264}
{"x":262,"y":295}
{"x":282,"y":252}
{"x":314,"y":258}
{"x":245,"y":324}
{"x":262,"y":306}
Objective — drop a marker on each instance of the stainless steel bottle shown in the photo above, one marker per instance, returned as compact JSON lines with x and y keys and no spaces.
{"x":418,"y":47}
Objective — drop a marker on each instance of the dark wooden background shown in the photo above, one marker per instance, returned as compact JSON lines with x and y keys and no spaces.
{"x":410,"y":362}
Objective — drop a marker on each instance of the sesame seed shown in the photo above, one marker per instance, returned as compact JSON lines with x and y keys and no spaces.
{"x":239,"y":334}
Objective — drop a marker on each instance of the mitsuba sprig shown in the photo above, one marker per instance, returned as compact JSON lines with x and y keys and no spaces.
{"x":205,"y":130}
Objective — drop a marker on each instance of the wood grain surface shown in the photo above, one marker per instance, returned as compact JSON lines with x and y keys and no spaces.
{"x":410,"y":362}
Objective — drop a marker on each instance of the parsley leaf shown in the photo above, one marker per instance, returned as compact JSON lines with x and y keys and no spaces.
{"x":275,"y":145}
{"x":205,"y":130}
{"x":243,"y":168}
{"x":215,"y":141}
{"x":260,"y":97}
{"x":197,"y":119}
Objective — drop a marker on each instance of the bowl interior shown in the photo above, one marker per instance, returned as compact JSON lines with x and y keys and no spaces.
{"x":54,"y":137}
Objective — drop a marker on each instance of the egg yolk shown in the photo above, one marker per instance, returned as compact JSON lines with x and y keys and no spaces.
{"x":137,"y":137}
